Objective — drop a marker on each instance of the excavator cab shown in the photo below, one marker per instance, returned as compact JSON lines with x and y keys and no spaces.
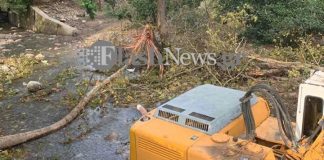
{"x":310,"y":106}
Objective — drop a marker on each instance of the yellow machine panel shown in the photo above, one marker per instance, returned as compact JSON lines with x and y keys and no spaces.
{"x":216,"y":123}
{"x":156,"y":139}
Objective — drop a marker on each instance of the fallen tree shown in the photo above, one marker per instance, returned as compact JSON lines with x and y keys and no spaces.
{"x":272,"y":63}
{"x":267,"y":67}
{"x":15,"y":139}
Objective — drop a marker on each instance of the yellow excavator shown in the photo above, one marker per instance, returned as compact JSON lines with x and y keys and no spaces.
{"x":210,"y":122}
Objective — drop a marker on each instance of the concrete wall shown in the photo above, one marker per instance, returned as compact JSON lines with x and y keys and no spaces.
{"x":43,"y":1}
{"x":41,"y":22}
{"x":38,"y":21}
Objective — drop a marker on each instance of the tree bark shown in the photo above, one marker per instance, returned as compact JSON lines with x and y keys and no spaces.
{"x":100,"y":3}
{"x":161,"y":18}
{"x":12,"y":140}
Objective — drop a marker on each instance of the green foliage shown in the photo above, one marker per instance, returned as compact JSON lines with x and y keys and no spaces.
{"x":284,"y":23}
{"x":122,"y":10}
{"x":174,"y":6}
{"x":281,"y":22}
{"x":90,"y":7}
{"x":308,"y":52}
{"x":111,"y":3}
{"x":19,"y":6}
{"x":145,"y":9}
{"x":224,"y":36}
{"x":190,"y":26}
{"x":140,"y":10}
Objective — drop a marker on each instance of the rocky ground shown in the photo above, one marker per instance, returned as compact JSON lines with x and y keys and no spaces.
{"x":67,"y":12}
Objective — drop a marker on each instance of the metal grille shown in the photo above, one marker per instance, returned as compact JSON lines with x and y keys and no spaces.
{"x":158,"y":149}
{"x":196,"y":124}
{"x":201,"y":116}
{"x":173,"y":108}
{"x":170,"y":116}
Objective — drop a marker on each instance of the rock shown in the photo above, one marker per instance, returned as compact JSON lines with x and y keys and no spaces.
{"x":112,"y":137}
{"x":39,"y":57}
{"x":6,"y":50}
{"x":45,"y":62}
{"x":33,"y":86}
{"x":84,"y":21}
{"x":1,"y":29}
{"x":81,"y":14}
{"x":17,"y":40}
{"x":29,"y":55}
{"x":7,"y":36}
{"x":4,"y":68}
{"x":28,"y":49}
{"x":80,"y":155}
{"x":119,"y":150}
{"x":9,"y":41}
{"x":63,"y":20}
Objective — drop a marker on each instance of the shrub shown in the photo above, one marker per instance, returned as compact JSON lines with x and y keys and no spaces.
{"x":139,"y":10}
{"x":19,"y":6}
{"x":145,"y":9}
{"x":121,"y":10}
{"x":281,"y":22}
{"x":189,"y":27}
{"x":90,"y":7}
{"x":111,"y":3}
{"x":308,"y":52}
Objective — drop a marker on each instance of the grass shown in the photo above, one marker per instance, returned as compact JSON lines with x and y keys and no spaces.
{"x":14,"y":68}
{"x":12,"y":154}
{"x":66,"y":74}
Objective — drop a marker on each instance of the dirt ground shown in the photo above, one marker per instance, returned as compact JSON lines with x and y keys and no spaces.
{"x":100,"y":132}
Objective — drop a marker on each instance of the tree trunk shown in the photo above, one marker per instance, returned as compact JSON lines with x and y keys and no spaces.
{"x":161,"y":18}
{"x":100,"y":3}
{"x":12,"y":140}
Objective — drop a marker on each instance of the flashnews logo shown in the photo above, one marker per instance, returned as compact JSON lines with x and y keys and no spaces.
{"x":103,"y":55}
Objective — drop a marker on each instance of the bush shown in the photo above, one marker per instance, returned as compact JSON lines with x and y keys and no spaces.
{"x":189,"y":28}
{"x":90,"y":7}
{"x":145,"y":9}
{"x":121,"y":10}
{"x":308,"y":52}
{"x":281,"y":22}
{"x":174,"y":6}
{"x":19,"y":6}
{"x":139,"y":10}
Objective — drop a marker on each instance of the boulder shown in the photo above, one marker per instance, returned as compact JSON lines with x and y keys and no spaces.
{"x":39,"y":57}
{"x":33,"y":86}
